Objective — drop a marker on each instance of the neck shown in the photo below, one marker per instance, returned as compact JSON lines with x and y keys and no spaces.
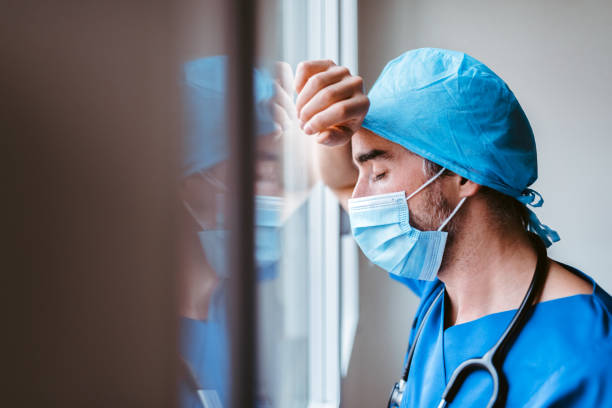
{"x":486,"y":270}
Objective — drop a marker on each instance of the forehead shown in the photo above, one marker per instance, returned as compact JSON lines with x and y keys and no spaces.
{"x":364,"y":141}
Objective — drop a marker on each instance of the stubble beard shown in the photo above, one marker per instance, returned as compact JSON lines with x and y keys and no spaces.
{"x":438,"y":210}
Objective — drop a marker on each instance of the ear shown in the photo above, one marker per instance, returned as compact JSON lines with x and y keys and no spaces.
{"x":464,"y":187}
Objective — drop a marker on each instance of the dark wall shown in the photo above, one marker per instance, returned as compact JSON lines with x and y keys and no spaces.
{"x":88,"y":139}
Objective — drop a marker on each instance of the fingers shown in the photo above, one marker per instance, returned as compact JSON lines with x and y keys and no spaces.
{"x":307,"y":69}
{"x":353,"y":110}
{"x":281,"y":105}
{"x":281,"y":118}
{"x":329,"y":95}
{"x":318,"y":82}
{"x":284,"y":76}
{"x":330,"y":101}
{"x":284,"y":101}
{"x":335,"y":136}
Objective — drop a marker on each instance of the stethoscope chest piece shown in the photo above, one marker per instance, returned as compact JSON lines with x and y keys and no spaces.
{"x":396,"y":395}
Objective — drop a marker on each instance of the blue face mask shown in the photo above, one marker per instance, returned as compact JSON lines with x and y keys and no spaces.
{"x":213,"y":235}
{"x":267,"y":236}
{"x":215,"y":242}
{"x":267,"y":240}
{"x":381,"y":227}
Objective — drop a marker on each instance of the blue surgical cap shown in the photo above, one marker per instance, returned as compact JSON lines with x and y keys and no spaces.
{"x":205,"y":143}
{"x":454,"y":111}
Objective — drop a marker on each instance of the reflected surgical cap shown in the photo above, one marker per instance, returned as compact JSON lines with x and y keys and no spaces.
{"x":205,"y":142}
{"x":454,"y":111}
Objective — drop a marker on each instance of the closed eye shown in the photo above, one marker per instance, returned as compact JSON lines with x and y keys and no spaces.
{"x":380,"y":176}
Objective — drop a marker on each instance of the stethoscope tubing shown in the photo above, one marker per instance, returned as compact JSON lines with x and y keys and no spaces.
{"x":494,"y":356}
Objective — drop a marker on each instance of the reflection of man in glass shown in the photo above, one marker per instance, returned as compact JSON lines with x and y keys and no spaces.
{"x":204,"y":192}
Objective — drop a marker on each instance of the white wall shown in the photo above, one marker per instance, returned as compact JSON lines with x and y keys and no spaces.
{"x":557,"y":58}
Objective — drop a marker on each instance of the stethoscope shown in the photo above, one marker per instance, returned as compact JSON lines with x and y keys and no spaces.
{"x":492,"y":360}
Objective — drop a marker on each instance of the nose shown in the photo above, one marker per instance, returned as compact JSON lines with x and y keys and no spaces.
{"x":361,"y":189}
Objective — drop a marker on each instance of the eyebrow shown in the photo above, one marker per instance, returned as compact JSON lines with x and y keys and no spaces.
{"x":371,"y":155}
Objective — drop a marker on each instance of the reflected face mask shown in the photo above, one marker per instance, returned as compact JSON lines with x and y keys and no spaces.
{"x":268,"y":210}
{"x":381,"y":227}
{"x":213,"y":235}
{"x":214,"y":242}
{"x":267,"y":240}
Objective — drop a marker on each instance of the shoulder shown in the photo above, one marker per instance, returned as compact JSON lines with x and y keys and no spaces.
{"x":585,"y":382}
{"x":567,"y":281}
{"x":571,"y":322}
{"x":564,"y":281}
{"x":579,"y":307}
{"x":567,"y":347}
{"x":573,"y":317}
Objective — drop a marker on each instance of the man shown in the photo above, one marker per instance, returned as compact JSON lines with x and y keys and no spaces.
{"x":434,"y":168}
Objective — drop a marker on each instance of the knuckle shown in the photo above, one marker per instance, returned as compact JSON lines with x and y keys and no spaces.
{"x":340,"y":71}
{"x":358,"y":82}
{"x":283,"y":66}
{"x":324,"y":138}
{"x":306,"y":114}
{"x":362,"y":100}
{"x":327,"y":94}
{"x":362,"y":106}
{"x":316,"y":80}
{"x":365,"y":101}
{"x":315,"y":123}
{"x":301,"y":66}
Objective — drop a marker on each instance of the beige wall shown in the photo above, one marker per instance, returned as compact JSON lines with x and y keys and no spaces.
{"x":556,"y":57}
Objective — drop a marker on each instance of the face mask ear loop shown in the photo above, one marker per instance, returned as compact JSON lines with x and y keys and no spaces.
{"x":193,"y":214}
{"x":215,"y":182}
{"x":428,"y":182}
{"x":452,"y":214}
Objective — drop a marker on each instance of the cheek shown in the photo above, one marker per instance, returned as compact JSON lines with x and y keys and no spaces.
{"x":406,"y":180}
{"x":389,"y":184}
{"x":429,"y":209}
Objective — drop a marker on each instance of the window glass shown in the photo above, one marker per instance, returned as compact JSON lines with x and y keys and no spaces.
{"x":203,"y":192}
{"x":284,"y":179}
{"x":296,"y":227}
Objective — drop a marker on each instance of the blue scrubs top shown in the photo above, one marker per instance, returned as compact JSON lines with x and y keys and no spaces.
{"x":204,"y":346}
{"x":560,"y":358}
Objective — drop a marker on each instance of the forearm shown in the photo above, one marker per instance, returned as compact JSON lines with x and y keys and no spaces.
{"x":335,"y":166}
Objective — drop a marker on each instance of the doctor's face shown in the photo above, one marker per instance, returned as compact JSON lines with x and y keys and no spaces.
{"x":386,"y":167}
